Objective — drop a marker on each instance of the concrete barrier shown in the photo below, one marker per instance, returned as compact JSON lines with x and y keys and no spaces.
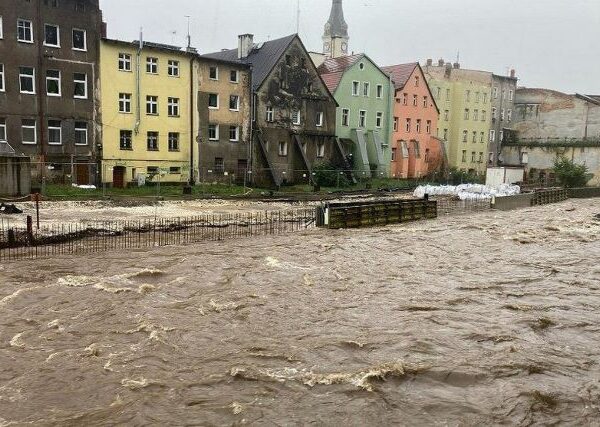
{"x":518,"y":201}
{"x":584,"y":192}
{"x":15,"y":176}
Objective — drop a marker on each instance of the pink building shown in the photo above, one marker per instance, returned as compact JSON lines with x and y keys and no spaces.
{"x":416,"y":150}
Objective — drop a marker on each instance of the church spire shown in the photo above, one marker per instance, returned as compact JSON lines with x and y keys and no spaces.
{"x":335,"y":37}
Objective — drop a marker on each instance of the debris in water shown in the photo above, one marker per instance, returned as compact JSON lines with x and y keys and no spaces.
{"x":236,"y":408}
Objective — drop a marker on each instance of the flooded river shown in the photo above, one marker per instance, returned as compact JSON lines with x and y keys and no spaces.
{"x":470,"y":320}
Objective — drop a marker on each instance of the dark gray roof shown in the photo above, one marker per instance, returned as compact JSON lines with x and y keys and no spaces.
{"x":336,"y":26}
{"x":262,"y":58}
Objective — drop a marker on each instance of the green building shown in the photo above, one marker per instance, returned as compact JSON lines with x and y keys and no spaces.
{"x":363,"y":119}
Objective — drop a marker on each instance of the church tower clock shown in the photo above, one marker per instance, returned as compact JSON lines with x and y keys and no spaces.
{"x":335,"y":37}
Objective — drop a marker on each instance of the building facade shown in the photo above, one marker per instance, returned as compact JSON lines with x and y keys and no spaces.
{"x":149,"y":119}
{"x":503,"y":108}
{"x":363,"y":120}
{"x":293,"y":111}
{"x":224,"y":106}
{"x":416,"y":150}
{"x":335,"y":36}
{"x":464,"y":100}
{"x":49,"y":93}
{"x":550,"y":124}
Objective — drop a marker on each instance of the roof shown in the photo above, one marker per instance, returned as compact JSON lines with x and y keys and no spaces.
{"x":333,"y":69}
{"x":262,"y":58}
{"x":149,"y":45}
{"x":594,"y":99}
{"x":336,"y":26}
{"x":400,"y":73}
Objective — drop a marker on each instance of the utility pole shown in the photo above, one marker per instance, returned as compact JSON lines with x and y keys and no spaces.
{"x":298,"y":18}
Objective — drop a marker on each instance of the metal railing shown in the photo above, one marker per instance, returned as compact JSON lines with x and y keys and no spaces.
{"x":66,"y":239}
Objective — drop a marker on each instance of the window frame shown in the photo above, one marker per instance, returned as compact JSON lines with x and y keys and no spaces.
{"x":320,"y":119}
{"x":128,"y":135}
{"x":320,"y":150}
{"x":152,"y":104}
{"x":85,"y":86}
{"x":296,"y":117}
{"x":152,"y":64}
{"x":85,"y":46}
{"x":1,"y":28}
{"x":282,"y":149}
{"x":379,"y":119}
{"x":173,"y":68}
{"x":345,"y":117}
{"x":57,"y":79}
{"x":237,"y":134}
{"x":362,"y":119}
{"x":2,"y":79}
{"x":355,"y":88}
{"x":152,"y":136}
{"x":379,"y":91}
{"x":125,"y":100}
{"x":216,"y":128}
{"x":237,"y":76}
{"x":237,"y":102}
{"x":366,"y":89}
{"x":31,"y":40}
{"x":31,"y":76}
{"x":125,"y":59}
{"x":216,"y":69}
{"x":3,"y":130}
{"x":54,"y":128}
{"x":57,"y":45}
{"x":79,"y":129}
{"x":173,"y":107}
{"x":396,"y":125}
{"x":216,"y":95}
{"x":270,"y":115}
{"x":34,"y":127}
{"x":173,"y":136}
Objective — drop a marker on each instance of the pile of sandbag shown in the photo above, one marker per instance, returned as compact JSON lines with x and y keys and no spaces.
{"x":468,"y":191}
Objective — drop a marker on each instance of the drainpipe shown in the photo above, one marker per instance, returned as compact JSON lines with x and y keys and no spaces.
{"x":253,"y":119}
{"x":587,"y":120}
{"x":392,"y":90}
{"x":40,"y":100}
{"x":138,"y":114}
{"x":192,"y":133}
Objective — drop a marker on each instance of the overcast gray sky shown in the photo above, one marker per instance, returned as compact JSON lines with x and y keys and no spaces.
{"x":551,"y":43}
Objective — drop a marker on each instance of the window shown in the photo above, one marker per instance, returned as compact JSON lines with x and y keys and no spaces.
{"x":474,"y":136}
{"x":511,"y":95}
{"x":1,"y":29}
{"x":283,"y":148}
{"x":174,"y":170}
{"x":173,"y":141}
{"x":501,"y":135}
{"x":447,"y":94}
{"x":173,"y":107}
{"x":54,"y":132}
{"x":362,"y":119}
{"x":234,"y":103}
{"x":125,"y":140}
{"x":234,"y":133}
{"x":483,"y":115}
{"x":394,"y":154}
{"x":173,"y":68}
{"x":2,"y":82}
{"x":81,"y":133}
{"x":415,"y":100}
{"x":473,"y":154}
{"x":320,"y":149}
{"x":482,"y":137}
{"x":405,"y":99}
{"x":355,"y":88}
{"x":417,"y":149}
{"x":492,"y":135}
{"x":366,"y":89}
{"x":27,"y":79}
{"x":213,"y":132}
{"x":124,"y":103}
{"x":494,"y":113}
{"x":439,"y":92}
{"x":446,"y":115}
{"x":24,"y":31}
{"x":429,"y":127}
{"x":466,"y":114}
{"x":379,"y":91}
{"x":51,"y":35}
{"x":485,"y":96}
{"x":151,"y":65}
{"x":213,"y":73}
{"x":416,"y":81}
{"x":418,"y":125}
{"x":503,"y":93}
{"x":379,"y":120}
{"x":213,"y":101}
{"x":345,"y":117}
{"x":445,"y":134}
{"x":152,"y":141}
{"x":502,"y":115}
{"x":79,"y":39}
{"x":270,"y":114}
{"x":80,"y":88}
{"x":124,"y":62}
{"x":465,"y":135}
{"x":477,"y":97}
{"x":408,"y":125}
{"x":152,"y":105}
{"x":495,"y":93}
{"x":468,"y":96}
{"x":319,"y":119}
{"x":491,"y":158}
{"x":464,"y":156}
{"x":153,"y":170}
{"x":2,"y":130}
{"x":396,"y":120}
{"x":29,"y":131}
{"x":296,"y":118}
{"x":219,"y":165}
{"x":509,"y":115}
{"x":234,"y":76}
{"x":53,"y":83}
{"x":425,"y":103}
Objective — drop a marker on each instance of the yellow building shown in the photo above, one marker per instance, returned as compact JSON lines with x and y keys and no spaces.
{"x":147,"y":113}
{"x":464,"y":99}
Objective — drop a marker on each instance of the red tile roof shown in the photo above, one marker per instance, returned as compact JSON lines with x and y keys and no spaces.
{"x":400,"y":73}
{"x":333,"y":69}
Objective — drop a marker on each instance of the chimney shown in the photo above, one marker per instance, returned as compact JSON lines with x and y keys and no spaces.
{"x":440,"y":62}
{"x":103,"y":30}
{"x":457,"y":65}
{"x":429,"y":62}
{"x":245,"y":44}
{"x":448,"y":70}
{"x":513,"y":73}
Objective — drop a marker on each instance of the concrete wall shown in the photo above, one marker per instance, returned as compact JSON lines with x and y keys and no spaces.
{"x":497,"y":176}
{"x":15,"y":176}
{"x":513,"y":202}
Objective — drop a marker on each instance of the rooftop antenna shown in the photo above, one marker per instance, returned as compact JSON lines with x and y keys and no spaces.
{"x":458,"y":56}
{"x":189,"y":37}
{"x":298,"y":18}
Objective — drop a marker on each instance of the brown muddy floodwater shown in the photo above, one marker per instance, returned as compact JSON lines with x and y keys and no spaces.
{"x":471,"y":320}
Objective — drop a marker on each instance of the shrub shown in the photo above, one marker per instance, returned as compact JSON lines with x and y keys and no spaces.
{"x":327,"y":175}
{"x":569,"y":174}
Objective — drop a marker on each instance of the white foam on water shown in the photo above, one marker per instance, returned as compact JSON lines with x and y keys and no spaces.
{"x":16,"y":341}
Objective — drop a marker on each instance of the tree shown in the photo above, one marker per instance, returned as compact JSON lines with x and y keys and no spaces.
{"x":569,"y":174}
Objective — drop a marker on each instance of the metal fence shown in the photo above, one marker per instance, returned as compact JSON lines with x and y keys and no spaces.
{"x":65,"y":239}
{"x":453,"y":206}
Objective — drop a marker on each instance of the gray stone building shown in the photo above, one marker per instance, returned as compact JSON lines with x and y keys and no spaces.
{"x":49,"y":52}
{"x":502,"y":114}
{"x":294,"y":113}
{"x":550,"y":124}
